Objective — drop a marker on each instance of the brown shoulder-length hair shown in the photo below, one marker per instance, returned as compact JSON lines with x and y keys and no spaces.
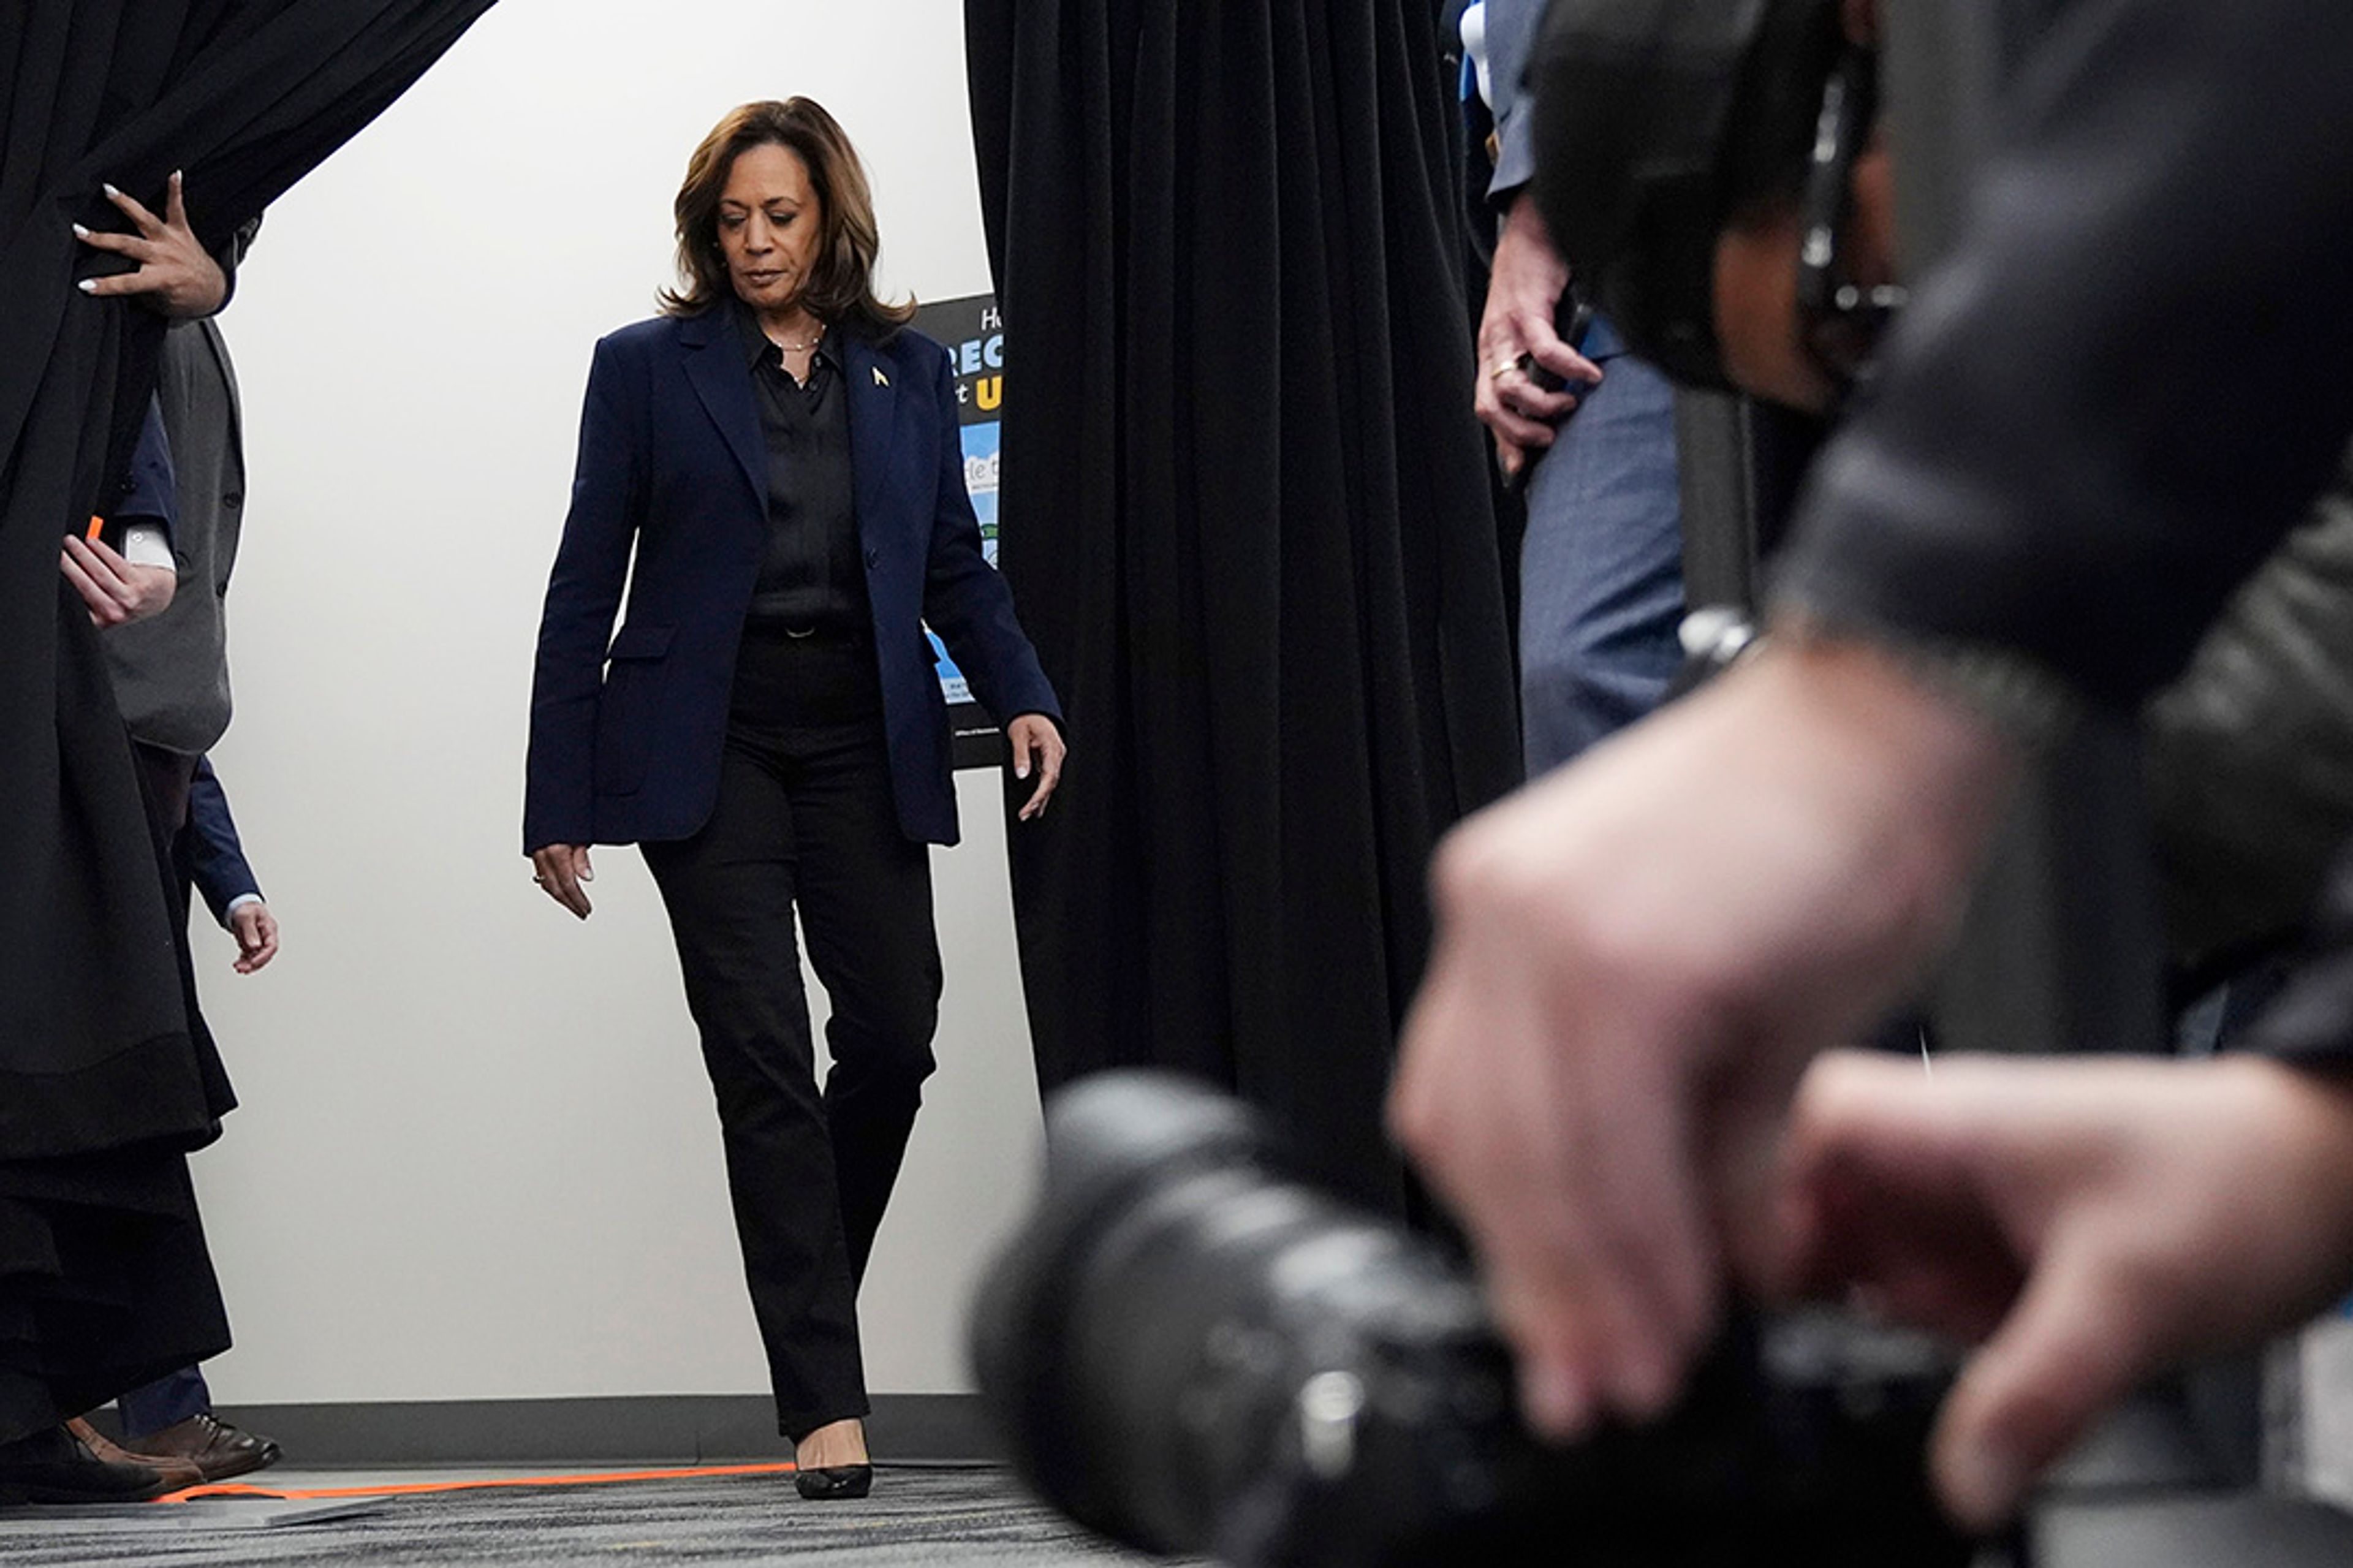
{"x":840,"y":288}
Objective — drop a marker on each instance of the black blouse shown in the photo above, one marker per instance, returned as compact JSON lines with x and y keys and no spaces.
{"x":813,"y":578}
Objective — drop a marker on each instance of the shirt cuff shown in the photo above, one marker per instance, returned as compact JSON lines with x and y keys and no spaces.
{"x":229,"y":912}
{"x":145,"y":545}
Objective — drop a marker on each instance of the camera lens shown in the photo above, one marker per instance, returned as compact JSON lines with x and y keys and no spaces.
{"x":1190,"y":1349}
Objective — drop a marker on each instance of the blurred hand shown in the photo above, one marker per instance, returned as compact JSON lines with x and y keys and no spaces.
{"x":1634,"y":959}
{"x":1524,"y":293}
{"x":256,"y":930}
{"x":2092,"y":1221}
{"x":1036,"y":742}
{"x":174,"y":275}
{"x":560,"y":870}
{"x":116,"y":590}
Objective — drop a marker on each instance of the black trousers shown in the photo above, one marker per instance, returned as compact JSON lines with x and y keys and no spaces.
{"x":805,"y":819}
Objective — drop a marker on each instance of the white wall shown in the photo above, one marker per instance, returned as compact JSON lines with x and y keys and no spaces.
{"x":476,"y":1157}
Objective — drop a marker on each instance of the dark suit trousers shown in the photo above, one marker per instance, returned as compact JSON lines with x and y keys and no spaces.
{"x":805,"y":818}
{"x":164,"y":781}
{"x":166,"y":1402}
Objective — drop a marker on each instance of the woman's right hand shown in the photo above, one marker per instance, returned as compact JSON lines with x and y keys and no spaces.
{"x":560,"y":869}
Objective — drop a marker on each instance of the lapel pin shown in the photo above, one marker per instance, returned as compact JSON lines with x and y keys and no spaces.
{"x":880,"y":379}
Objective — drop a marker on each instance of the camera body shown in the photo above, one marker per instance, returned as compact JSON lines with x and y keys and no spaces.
{"x":1190,"y":1351}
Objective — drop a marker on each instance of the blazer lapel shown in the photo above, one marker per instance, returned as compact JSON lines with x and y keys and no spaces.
{"x":873,"y":405}
{"x":725,"y":384}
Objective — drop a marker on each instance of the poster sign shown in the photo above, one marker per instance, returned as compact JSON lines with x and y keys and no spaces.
{"x":974,"y":337}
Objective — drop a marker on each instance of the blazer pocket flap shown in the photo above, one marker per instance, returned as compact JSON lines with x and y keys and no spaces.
{"x":641,"y":642}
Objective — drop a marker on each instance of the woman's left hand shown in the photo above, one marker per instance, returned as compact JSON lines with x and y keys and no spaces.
{"x":1036,"y":742}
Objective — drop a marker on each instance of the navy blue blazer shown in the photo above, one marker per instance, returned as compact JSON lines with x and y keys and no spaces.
{"x":626,"y":736}
{"x":149,"y":492}
{"x":210,"y":848}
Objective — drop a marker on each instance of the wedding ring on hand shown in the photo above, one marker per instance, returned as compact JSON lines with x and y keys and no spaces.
{"x":1501,"y":368}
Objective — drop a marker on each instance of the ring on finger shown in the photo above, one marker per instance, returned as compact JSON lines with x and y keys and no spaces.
{"x":1501,"y":368}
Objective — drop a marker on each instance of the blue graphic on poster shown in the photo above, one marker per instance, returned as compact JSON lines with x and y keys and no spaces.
{"x":974,"y":337}
{"x":981,"y":442}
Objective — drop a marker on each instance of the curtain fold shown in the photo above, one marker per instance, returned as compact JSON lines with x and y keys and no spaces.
{"x":1250,"y":528}
{"x":105,"y":1071}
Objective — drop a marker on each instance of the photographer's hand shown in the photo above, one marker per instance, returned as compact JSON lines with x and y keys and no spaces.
{"x":2092,"y":1222}
{"x":1635,"y":958}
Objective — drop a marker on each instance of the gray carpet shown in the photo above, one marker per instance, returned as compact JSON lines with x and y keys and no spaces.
{"x":940,"y":1518}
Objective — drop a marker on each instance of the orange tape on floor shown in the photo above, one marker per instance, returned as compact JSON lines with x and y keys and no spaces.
{"x":194,"y":1494}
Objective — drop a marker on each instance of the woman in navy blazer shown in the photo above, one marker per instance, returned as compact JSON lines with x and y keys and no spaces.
{"x":774,"y":469}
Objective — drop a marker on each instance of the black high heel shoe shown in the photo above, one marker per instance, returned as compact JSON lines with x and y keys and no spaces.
{"x":829,"y":1483}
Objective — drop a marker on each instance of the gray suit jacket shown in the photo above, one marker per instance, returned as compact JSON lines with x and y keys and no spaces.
{"x":171,"y":671}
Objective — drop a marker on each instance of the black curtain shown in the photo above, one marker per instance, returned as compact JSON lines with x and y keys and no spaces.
{"x":1249,"y":527}
{"x":103,"y":1076}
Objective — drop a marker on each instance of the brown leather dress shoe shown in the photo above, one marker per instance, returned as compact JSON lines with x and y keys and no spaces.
{"x":215,"y":1448}
{"x":178,"y":1474}
{"x":54,"y":1466}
